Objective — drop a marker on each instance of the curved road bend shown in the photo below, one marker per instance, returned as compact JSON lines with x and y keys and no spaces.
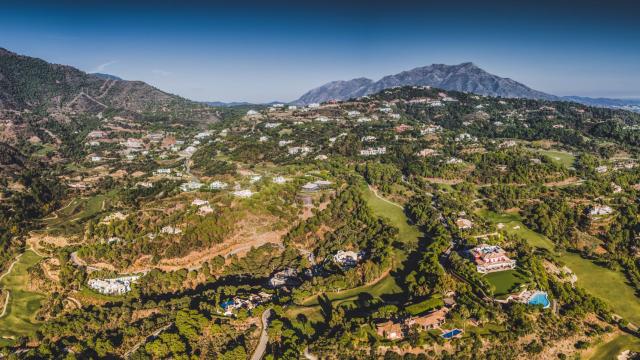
{"x":264,"y":338}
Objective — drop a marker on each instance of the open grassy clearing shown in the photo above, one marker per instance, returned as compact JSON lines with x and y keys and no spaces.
{"x":19,"y":318}
{"x":70,"y":218}
{"x":561,"y":157}
{"x":513,"y":225}
{"x":506,"y":282}
{"x":44,"y":150}
{"x":606,"y":284}
{"x":612,"y":348}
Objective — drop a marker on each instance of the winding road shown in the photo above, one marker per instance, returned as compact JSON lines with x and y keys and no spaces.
{"x":264,"y":337}
{"x":143,"y":341}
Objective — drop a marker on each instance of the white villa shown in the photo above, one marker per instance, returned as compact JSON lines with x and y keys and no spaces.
{"x":373,"y":151}
{"x":599,"y":210}
{"x":466,"y":137}
{"x":171,"y":230}
{"x":190,"y":186}
{"x":218,"y":185}
{"x":431,"y":129}
{"x":243,"y":193}
{"x":279,"y":180}
{"x":162,"y":172}
{"x":117,"y":286}
{"x":203,"y":135}
{"x":299,"y":150}
{"x":347,"y":259}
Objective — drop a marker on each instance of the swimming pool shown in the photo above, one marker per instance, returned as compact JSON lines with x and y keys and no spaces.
{"x":452,"y":333}
{"x":540,"y":298}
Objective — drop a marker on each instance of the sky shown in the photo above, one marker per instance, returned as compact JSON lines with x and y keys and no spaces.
{"x":262,"y":51}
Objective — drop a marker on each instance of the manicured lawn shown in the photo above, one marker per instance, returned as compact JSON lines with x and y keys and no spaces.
{"x":408,"y":233}
{"x":513,"y":225}
{"x":609,"y":285}
{"x":424,"y":306}
{"x":19,"y":319}
{"x":562,"y":157}
{"x":506,"y":282}
{"x":611,"y":349}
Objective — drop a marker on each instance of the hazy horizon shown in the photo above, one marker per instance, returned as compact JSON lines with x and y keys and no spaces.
{"x":255,"y":52}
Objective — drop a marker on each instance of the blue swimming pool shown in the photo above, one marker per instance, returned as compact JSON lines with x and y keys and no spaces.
{"x":540,"y":298}
{"x":452,"y":333}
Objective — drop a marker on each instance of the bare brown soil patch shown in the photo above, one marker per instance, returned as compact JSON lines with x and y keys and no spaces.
{"x":568,"y":181}
{"x":250,"y":233}
{"x":443,"y":181}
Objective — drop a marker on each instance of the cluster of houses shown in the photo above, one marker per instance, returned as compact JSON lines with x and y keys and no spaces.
{"x":230,"y":306}
{"x":316,"y":185}
{"x":116,"y":286}
{"x":347,"y":259}
{"x":381,"y":150}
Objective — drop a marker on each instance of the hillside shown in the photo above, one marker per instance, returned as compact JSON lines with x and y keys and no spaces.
{"x":30,"y":83}
{"x":465,"y":77}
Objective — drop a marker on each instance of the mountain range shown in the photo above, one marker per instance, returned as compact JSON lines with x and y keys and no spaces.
{"x":465,"y":77}
{"x":31,"y":83}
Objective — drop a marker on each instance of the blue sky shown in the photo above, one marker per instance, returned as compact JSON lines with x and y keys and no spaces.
{"x":277,"y":50}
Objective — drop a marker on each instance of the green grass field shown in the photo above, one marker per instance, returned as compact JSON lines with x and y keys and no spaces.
{"x":609,"y":285}
{"x":513,"y":225}
{"x":562,"y":157}
{"x":506,"y":282}
{"x":69,"y":219}
{"x":19,"y":319}
{"x":611,"y":349}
